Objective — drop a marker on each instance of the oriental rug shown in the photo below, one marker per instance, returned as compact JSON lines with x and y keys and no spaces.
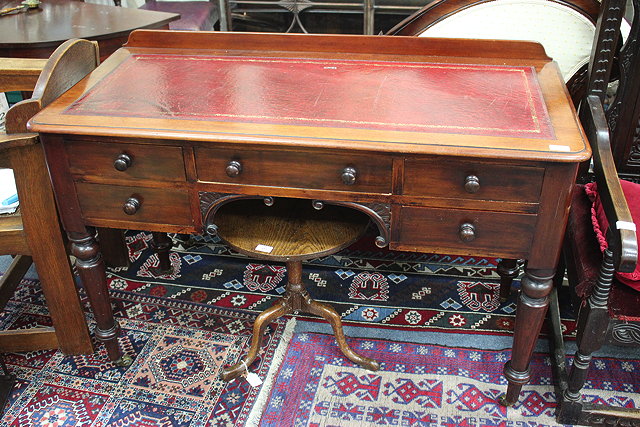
{"x":433,"y":321}
{"x":424,"y":385}
{"x":178,"y":347}
{"x":368,"y":286}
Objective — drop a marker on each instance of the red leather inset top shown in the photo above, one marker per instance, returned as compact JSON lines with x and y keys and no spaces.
{"x":425,"y":97}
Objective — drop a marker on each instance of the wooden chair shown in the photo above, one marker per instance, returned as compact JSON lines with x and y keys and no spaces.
{"x":564,"y":27}
{"x":601,"y":260}
{"x":34,"y":234}
{"x":290,"y":231}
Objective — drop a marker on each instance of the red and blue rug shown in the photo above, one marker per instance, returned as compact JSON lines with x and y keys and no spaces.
{"x":422,"y":385}
{"x":433,"y":321}
{"x":178,"y":347}
{"x":368,"y":286}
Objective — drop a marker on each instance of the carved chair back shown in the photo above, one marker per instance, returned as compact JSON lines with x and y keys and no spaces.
{"x":623,"y":112}
{"x":601,"y":247}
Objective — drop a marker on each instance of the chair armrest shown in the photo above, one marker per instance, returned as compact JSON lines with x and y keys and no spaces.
{"x":16,"y":134}
{"x":621,"y":234}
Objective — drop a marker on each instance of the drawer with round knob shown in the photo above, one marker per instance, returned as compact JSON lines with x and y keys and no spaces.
{"x":311,"y":169}
{"x":462,"y":231}
{"x":476,"y":180}
{"x":97,"y":161}
{"x":105,"y":205}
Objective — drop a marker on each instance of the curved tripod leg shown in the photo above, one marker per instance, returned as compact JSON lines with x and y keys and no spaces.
{"x":278,"y":309}
{"x":330,"y":314}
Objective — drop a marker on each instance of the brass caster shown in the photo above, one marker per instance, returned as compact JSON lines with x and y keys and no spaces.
{"x":229,"y":373}
{"x":124,"y":361}
{"x":502,"y":400}
{"x":372,"y":365}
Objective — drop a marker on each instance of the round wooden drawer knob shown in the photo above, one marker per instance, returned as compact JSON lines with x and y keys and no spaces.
{"x":472,"y":184}
{"x":122,"y":162}
{"x":467,"y":232}
{"x":349,"y":175}
{"x":131,"y":206}
{"x":233,"y":169}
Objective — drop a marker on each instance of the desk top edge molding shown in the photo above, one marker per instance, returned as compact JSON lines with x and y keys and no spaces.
{"x":379,"y":48}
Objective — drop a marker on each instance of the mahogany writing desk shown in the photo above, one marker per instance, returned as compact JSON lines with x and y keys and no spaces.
{"x":450,"y":146}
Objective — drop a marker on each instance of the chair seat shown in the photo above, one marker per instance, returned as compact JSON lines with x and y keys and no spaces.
{"x":624,"y":302}
{"x":194,"y":15}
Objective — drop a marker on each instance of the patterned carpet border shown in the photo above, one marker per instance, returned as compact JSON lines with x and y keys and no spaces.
{"x":423,"y":385}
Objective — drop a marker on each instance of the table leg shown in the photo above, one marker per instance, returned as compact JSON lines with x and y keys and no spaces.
{"x":92,"y":273}
{"x":530,"y":313}
{"x":113,"y":247}
{"x":162,"y":244}
{"x":508,"y":270}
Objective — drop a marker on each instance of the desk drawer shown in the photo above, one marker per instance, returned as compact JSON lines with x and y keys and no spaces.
{"x":136,"y":162}
{"x":155,"y":205}
{"x":472,"y":180}
{"x":299,"y":169}
{"x":463,"y":231}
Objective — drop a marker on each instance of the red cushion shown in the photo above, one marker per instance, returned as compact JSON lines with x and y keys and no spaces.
{"x":600,"y":224}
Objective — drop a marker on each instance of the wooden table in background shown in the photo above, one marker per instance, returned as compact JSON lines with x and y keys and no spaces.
{"x":465,"y":147}
{"x":36,"y":33}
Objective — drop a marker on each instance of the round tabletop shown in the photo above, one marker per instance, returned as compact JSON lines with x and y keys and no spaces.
{"x":35,"y":33}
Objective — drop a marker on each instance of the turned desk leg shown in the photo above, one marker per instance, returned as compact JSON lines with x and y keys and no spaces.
{"x":113,"y":247}
{"x":530,"y":313}
{"x":162,"y":244}
{"x":507,"y":270}
{"x":92,"y":273}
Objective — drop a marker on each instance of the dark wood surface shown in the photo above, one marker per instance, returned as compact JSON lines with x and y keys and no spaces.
{"x":371,"y":162}
{"x":36,"y":33}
